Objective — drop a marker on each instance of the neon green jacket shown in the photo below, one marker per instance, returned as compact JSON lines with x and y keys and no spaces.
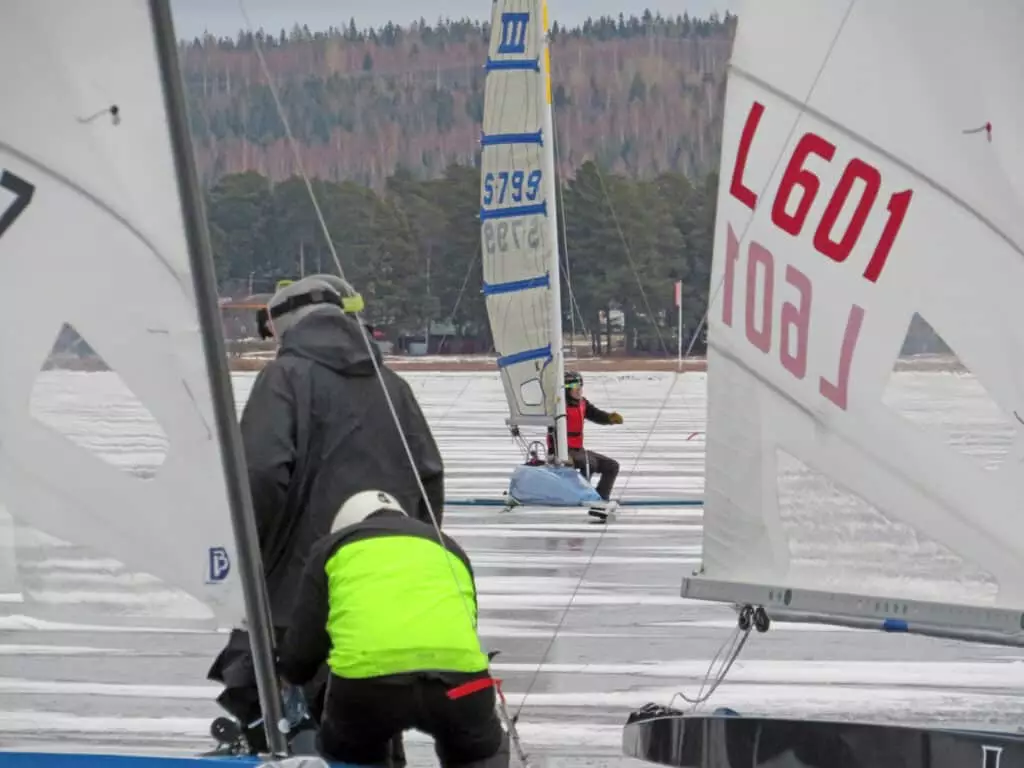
{"x":381,"y":598}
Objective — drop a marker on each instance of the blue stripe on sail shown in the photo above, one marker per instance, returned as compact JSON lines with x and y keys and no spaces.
{"x":524,"y":356}
{"x":514,"y":286}
{"x":507,"y":65}
{"x":516,"y":210}
{"x":496,"y":139}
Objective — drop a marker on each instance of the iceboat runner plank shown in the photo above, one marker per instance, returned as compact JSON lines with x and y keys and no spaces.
{"x":998,"y":626}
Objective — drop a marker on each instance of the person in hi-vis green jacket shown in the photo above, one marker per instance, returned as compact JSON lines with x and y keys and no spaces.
{"x":393,"y":611}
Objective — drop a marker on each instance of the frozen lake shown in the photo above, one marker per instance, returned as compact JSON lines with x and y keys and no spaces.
{"x":70,"y":675}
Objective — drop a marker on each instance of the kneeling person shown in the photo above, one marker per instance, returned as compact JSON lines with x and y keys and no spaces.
{"x":379,"y":602}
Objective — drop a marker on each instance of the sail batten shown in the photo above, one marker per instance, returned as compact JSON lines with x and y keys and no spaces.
{"x":527,"y":355}
{"x":514,"y":286}
{"x":854,"y":198}
{"x":499,"y":139}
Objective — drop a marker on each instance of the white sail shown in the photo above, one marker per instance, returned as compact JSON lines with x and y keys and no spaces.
{"x":517,"y":213}
{"x":872,"y":167}
{"x":10,"y":584}
{"x":91,"y":234}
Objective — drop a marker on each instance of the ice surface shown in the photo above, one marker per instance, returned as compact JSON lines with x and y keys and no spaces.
{"x":82,"y":675}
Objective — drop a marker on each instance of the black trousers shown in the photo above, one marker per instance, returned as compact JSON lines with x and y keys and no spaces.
{"x":361,"y":717}
{"x":594,"y":463}
{"x":240,"y":698}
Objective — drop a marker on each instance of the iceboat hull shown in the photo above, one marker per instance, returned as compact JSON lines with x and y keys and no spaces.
{"x":81,"y":760}
{"x":669,"y":737}
{"x":544,"y":485}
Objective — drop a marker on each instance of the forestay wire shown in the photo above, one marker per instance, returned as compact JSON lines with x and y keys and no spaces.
{"x":639,"y":455}
{"x":740,"y":635}
{"x":509,"y":721}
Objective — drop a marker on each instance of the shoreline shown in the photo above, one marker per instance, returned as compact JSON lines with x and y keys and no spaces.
{"x":486,"y":364}
{"x":482,"y":364}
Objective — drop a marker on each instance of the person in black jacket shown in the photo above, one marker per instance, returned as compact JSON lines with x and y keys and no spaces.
{"x":317,"y":429}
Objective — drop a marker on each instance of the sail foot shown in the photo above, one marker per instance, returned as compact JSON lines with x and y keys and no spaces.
{"x":994,"y":626}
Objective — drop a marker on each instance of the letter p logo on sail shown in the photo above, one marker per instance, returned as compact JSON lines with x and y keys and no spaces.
{"x":219,"y":565}
{"x":513,"y":32}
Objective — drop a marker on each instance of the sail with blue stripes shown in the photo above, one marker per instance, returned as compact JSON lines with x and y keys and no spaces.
{"x":517,"y":212}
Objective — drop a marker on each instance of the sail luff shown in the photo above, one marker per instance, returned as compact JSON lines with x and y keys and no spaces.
{"x":239,"y":496}
{"x":518,"y":221}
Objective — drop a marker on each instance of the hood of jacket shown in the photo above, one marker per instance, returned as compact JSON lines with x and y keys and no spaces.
{"x":330,"y":337}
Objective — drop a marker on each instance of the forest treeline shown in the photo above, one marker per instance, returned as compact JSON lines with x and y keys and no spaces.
{"x":641,"y":95}
{"x":414,"y":249}
{"x":388,"y":122}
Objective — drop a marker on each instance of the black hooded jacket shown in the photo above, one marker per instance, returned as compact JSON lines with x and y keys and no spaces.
{"x":317,"y":429}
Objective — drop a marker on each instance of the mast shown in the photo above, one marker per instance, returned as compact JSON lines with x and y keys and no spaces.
{"x":235,"y":477}
{"x":554,"y":266}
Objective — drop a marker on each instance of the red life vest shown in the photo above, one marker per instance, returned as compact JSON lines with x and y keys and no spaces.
{"x":574,"y":417}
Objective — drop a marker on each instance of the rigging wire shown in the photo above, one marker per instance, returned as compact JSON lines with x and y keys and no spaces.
{"x":573,"y":304}
{"x":778,"y":159}
{"x":590,"y":560}
{"x":597,"y":545}
{"x":368,"y":342}
{"x":734,"y":653}
{"x":712,"y":679}
{"x":629,"y":255}
{"x":647,"y":437}
{"x":510,"y":722}
{"x":736,"y":640}
{"x":472,"y":262}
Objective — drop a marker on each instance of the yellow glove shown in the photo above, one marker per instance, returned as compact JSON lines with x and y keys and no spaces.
{"x":615,"y":418}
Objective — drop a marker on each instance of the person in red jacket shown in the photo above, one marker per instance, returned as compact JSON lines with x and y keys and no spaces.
{"x":578,"y":410}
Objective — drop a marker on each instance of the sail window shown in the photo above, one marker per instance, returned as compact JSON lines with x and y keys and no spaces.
{"x":933,"y":389}
{"x":838,"y":540}
{"x":532,"y":393}
{"x":76,"y":392}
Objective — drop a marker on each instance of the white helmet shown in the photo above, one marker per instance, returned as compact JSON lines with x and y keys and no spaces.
{"x":359,"y":507}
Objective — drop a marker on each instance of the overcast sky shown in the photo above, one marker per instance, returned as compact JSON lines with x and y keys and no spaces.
{"x":224,"y":17}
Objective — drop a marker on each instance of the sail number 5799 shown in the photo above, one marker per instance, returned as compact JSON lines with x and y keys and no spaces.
{"x":516,"y":186}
